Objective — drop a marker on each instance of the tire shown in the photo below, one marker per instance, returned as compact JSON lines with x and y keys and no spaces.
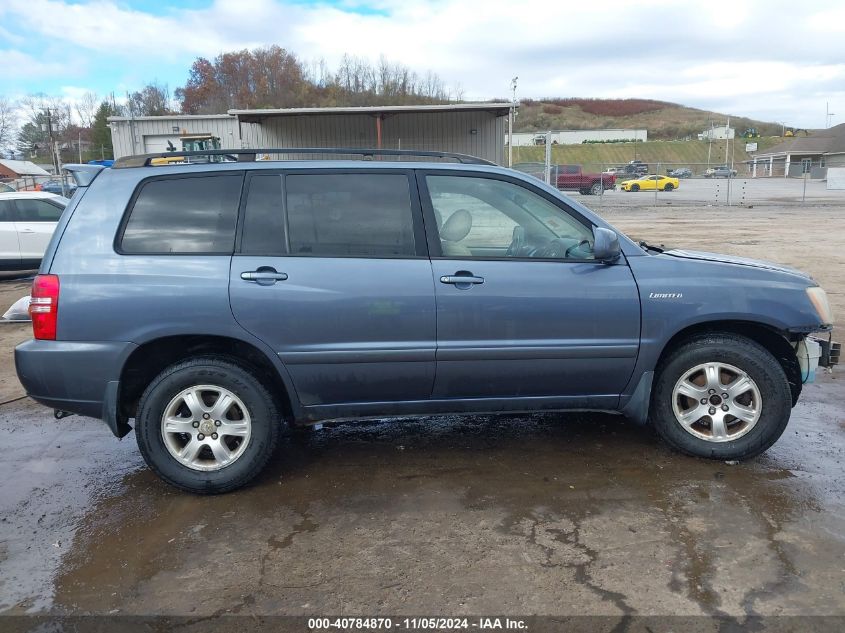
{"x":596,"y":189}
{"x":635,"y":187}
{"x":668,"y":186}
{"x":584,"y":192}
{"x":255,"y":427}
{"x":774,"y":399}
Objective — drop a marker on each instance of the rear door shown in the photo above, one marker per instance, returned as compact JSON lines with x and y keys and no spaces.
{"x":523,"y":309}
{"x":35,"y":221}
{"x":332,"y":272}
{"x":10,"y":252}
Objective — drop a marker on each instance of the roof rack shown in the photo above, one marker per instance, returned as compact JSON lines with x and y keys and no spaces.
{"x":249,"y":155}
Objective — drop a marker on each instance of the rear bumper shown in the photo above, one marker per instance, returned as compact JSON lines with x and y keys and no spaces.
{"x":79,"y":377}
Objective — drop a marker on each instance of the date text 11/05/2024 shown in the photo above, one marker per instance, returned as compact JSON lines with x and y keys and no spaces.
{"x":415,"y":624}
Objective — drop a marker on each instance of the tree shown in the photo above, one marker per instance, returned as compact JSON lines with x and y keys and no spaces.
{"x":263,"y":77}
{"x":8,"y":123}
{"x":101,"y":132}
{"x":86,"y":108}
{"x":152,"y":100}
{"x":272,"y":77}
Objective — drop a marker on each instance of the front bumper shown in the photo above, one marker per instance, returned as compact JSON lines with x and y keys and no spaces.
{"x":830,"y":352}
{"x":74,"y":376}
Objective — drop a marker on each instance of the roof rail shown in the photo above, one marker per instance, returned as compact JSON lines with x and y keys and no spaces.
{"x":247,"y":155}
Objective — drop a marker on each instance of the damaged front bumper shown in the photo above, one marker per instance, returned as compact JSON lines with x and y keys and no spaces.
{"x":813,"y":352}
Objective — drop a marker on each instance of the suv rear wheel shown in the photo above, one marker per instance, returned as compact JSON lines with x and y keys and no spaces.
{"x":207,"y":426}
{"x":721,"y":396}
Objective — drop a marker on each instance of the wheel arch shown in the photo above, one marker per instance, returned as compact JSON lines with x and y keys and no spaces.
{"x":153,"y":356}
{"x":772,"y":339}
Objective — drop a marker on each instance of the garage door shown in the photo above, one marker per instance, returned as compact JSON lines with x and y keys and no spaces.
{"x":158,"y":143}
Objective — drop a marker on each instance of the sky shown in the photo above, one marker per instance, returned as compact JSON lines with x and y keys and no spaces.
{"x":766,"y":59}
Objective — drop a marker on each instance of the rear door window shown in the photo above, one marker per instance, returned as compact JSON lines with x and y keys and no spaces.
{"x":184,"y":216}
{"x":35,"y":210}
{"x":329,"y":215}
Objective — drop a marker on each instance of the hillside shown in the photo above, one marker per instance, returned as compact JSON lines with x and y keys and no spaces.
{"x":663,"y":120}
{"x":668,"y":153}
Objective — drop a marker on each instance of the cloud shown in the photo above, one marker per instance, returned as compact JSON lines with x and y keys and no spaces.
{"x":750,"y":58}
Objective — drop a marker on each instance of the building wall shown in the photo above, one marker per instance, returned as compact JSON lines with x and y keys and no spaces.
{"x":576,"y":137}
{"x":835,"y":160}
{"x":437,"y":131}
{"x":161,"y":129}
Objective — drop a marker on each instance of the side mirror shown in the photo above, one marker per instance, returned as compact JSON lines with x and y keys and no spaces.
{"x":605,"y":245}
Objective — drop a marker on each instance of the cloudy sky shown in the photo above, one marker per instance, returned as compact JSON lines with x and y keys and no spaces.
{"x":766,"y":59}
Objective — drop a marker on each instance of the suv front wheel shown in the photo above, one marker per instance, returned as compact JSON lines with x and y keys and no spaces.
{"x":721,"y":396}
{"x":207,"y":426}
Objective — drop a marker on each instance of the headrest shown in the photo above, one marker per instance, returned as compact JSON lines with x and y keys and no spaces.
{"x":457,"y":227}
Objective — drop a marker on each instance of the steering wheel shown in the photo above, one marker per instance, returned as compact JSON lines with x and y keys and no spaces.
{"x":575,"y":246}
{"x":517,"y":242}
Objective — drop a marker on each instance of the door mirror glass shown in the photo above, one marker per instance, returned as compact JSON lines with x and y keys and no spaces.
{"x":605,"y":245}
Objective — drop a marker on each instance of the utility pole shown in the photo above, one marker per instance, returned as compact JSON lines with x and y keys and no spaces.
{"x":54,"y":151}
{"x":79,"y":146}
{"x":709,"y":143}
{"x":511,"y":114}
{"x":727,"y":139}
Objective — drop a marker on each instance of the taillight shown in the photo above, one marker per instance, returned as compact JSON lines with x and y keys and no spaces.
{"x":44,"y":307}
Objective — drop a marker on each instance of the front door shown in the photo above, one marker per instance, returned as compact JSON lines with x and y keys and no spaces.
{"x":523,"y":309}
{"x":332,"y":272}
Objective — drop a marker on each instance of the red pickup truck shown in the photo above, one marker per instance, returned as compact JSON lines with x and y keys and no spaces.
{"x":571,"y":178}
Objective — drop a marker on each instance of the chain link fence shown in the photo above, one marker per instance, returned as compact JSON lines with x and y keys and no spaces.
{"x":641,"y":183}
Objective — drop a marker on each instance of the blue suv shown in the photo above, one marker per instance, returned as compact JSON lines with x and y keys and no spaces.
{"x":211,"y":303}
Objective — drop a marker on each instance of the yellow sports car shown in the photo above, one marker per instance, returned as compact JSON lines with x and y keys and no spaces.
{"x":650,"y":183}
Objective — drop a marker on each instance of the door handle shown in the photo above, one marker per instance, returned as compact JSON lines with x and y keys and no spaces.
{"x":264,"y":276}
{"x":460,"y":279}
{"x":27,"y":231}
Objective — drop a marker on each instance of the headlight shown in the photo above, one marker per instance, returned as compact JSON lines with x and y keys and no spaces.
{"x":818,"y":298}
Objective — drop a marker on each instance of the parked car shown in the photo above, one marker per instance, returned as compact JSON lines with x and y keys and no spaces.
{"x":636,"y":167}
{"x":614,"y":171}
{"x":722,"y":171}
{"x":55,"y":187}
{"x":680,"y":172}
{"x":573,"y":178}
{"x":650,"y":183}
{"x":212,"y":303}
{"x":6,"y":188}
{"x":27,"y":221}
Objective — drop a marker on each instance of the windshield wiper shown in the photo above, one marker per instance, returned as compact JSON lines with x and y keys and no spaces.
{"x":650,"y":247}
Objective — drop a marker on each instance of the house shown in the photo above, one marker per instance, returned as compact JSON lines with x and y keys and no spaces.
{"x":815,"y":152}
{"x":14,"y":169}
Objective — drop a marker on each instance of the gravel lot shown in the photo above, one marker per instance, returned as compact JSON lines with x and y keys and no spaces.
{"x":534,"y":515}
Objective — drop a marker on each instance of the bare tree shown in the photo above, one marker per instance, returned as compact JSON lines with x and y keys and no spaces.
{"x":86,"y":108}
{"x":8,"y":123}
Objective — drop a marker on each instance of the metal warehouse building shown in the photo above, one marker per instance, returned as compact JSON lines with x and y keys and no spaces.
{"x":467,"y":128}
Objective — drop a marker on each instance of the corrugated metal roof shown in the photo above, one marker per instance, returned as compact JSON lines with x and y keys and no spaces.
{"x":24,"y":168}
{"x":167,"y":117}
{"x":497,"y":108}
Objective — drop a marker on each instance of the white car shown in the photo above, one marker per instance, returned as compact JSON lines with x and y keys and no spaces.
{"x":27,"y":222}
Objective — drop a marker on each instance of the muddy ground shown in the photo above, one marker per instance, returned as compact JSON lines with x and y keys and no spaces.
{"x":549,"y":514}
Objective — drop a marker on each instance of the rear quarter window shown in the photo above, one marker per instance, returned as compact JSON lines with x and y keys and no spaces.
{"x":190,"y":215}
